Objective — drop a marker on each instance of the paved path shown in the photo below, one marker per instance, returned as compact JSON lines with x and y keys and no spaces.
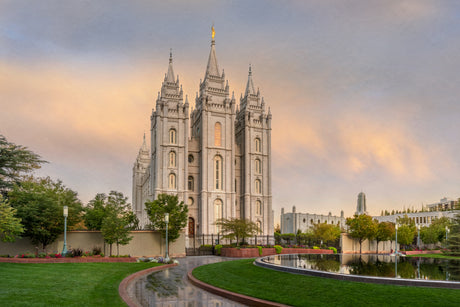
{"x":171,"y":287}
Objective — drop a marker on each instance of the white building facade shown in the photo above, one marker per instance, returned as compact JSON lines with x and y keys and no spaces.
{"x":293,"y":221}
{"x":217,"y":159}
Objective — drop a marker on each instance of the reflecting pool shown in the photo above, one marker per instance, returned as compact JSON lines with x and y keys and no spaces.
{"x":373,"y":265}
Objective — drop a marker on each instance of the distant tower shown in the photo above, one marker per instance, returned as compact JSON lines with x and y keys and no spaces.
{"x":361,"y":206}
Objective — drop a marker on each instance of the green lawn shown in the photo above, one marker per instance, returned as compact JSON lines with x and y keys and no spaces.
{"x":64,"y":284}
{"x":442,"y":256}
{"x":300,"y":290}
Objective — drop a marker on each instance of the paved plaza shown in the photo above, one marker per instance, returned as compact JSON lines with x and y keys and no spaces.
{"x":171,"y":287}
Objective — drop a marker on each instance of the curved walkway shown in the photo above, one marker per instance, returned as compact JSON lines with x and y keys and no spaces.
{"x":171,"y":287}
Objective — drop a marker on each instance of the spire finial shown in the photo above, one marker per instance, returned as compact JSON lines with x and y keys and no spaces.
{"x":170,"y":55}
{"x":250,"y":71}
{"x":213,"y":32}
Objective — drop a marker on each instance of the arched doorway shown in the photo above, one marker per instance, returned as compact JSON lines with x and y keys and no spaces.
{"x":191,"y":227}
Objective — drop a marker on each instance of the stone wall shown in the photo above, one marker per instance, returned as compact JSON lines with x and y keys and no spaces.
{"x":144,"y":243}
{"x":351,"y":246}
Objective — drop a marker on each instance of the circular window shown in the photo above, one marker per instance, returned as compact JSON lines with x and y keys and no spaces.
{"x":190,"y":158}
{"x":190,"y":201}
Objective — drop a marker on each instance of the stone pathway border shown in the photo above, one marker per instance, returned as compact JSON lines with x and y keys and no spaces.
{"x":240,"y":298}
{"x":123,"y":287}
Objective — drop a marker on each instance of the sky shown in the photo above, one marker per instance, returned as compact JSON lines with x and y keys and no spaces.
{"x":364,"y":94}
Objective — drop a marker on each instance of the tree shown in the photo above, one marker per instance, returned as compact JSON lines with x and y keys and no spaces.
{"x":361,"y":227}
{"x":178,"y":215}
{"x":10,"y":225}
{"x":384,"y":232}
{"x":436,"y":231}
{"x":234,"y":228}
{"x":39,"y":203}
{"x":326,"y":232}
{"x":112,"y":215}
{"x":453,"y":240}
{"x":15,"y":161}
{"x":406,"y":230}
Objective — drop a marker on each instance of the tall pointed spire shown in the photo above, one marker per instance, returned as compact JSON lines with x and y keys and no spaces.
{"x":212,"y":69}
{"x":170,"y":73}
{"x":250,"y":84}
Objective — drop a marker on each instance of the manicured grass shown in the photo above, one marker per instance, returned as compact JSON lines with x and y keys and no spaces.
{"x":243,"y":277}
{"x":64,"y":284}
{"x":441,"y":256}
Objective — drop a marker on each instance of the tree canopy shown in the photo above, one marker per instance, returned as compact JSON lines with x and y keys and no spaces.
{"x":361,"y":227}
{"x":384,"y":232}
{"x":178,"y":215}
{"x":10,"y":225}
{"x":39,"y":203}
{"x":15,"y":161}
{"x":453,"y":239}
{"x":234,"y":228}
{"x":406,"y":230}
{"x":326,"y":232}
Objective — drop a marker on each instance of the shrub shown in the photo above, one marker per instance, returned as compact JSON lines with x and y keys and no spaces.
{"x":76,"y":252}
{"x":218,"y":247}
{"x":333,"y":249}
{"x":278,"y":249}
{"x":315,"y":247}
{"x":206,"y":247}
{"x":97,"y":250}
{"x":41,"y":255}
{"x":260,"y":250}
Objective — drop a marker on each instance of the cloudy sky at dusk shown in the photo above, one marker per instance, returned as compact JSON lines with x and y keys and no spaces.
{"x":364,"y":94}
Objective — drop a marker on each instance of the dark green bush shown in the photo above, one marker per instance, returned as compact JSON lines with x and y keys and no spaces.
{"x":97,"y":250}
{"x":76,"y":252}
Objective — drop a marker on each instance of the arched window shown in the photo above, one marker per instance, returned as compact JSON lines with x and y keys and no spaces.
{"x":311,"y":221}
{"x":218,"y":172}
{"x":218,"y":134}
{"x":172,"y":159}
{"x":190,"y":202}
{"x":258,"y":145}
{"x":258,"y":166}
{"x":259,"y":225}
{"x":190,"y":183}
{"x":258,"y":207}
{"x":191,"y":226}
{"x":172,"y":136}
{"x":172,"y":181}
{"x":258,"y":187}
{"x":217,"y":213}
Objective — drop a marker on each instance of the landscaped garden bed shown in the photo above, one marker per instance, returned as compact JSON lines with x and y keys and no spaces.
{"x":68,"y":259}
{"x":248,"y":252}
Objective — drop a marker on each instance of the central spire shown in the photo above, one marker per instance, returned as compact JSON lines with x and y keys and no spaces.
{"x":212,"y":69}
{"x":170,"y":73}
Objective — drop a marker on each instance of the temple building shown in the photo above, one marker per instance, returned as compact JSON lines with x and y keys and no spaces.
{"x":216,"y":158}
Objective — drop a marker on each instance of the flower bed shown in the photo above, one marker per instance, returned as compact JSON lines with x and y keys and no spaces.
{"x":254,"y":252}
{"x":422,"y":252}
{"x":69,"y":259}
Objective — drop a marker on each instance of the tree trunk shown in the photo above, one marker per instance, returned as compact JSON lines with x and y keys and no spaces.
{"x":377,"y":249}
{"x":118,"y":250}
{"x":360,"y":242}
{"x":110,"y":249}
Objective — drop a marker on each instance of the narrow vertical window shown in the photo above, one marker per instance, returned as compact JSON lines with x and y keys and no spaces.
{"x":218,"y":175}
{"x":258,"y":166}
{"x":217,"y":213}
{"x":259,"y":225}
{"x":172,"y":159}
{"x":172,"y":136}
{"x":258,"y":186}
{"x":172,"y":181}
{"x":190,"y":183}
{"x":218,"y":134}
{"x":258,"y":207}
{"x":258,"y":145}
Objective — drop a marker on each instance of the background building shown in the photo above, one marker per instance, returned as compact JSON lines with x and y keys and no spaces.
{"x":293,"y":221}
{"x":217,"y":159}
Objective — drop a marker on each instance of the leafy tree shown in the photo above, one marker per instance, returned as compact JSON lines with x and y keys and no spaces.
{"x":453,"y":240}
{"x":326,"y":232}
{"x":361,"y":227}
{"x":234,"y":228}
{"x":288,"y":237}
{"x":436,"y":231}
{"x":39,"y":203}
{"x":384,"y":232}
{"x":178,"y":214}
{"x":406,"y":230}
{"x":10,"y":225}
{"x":15,"y":161}
{"x":112,"y":215}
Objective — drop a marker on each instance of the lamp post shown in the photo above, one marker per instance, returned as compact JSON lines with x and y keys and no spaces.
{"x":396,"y":239}
{"x":66,"y":213}
{"x":418,"y":238}
{"x":167,"y":222}
{"x":447,"y":231}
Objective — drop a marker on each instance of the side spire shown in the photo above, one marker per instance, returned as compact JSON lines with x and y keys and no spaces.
{"x":212,"y":69}
{"x":170,"y":73}
{"x":250,"y":84}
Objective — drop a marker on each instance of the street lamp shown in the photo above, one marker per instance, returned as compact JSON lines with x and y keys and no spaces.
{"x":66,"y":213}
{"x":167,"y":222}
{"x":396,"y":239}
{"x":447,"y":231}
{"x":418,"y":238}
